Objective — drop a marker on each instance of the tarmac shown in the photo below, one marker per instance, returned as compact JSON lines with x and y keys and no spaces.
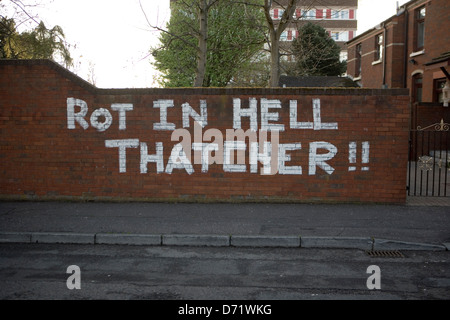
{"x":423,"y":223}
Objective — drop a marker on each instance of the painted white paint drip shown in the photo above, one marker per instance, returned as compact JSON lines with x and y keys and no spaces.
{"x":202,"y":119}
{"x":163,"y":124}
{"x":365,"y":154}
{"x":352,"y":155}
{"x":122,"y":145}
{"x":156,"y":158}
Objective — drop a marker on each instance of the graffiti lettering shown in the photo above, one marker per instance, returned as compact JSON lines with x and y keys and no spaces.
{"x":211,"y":147}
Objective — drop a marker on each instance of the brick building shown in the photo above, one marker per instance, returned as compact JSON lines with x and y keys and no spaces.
{"x":409,"y":50}
{"x":338,"y":17}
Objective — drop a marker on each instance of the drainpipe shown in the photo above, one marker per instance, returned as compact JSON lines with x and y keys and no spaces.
{"x":404,"y":10}
{"x":405,"y":58}
{"x":384,"y":56}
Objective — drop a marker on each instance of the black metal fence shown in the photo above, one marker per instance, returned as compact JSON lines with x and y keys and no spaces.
{"x":429,"y":161}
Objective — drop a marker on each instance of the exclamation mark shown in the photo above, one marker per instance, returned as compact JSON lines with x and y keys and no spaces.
{"x":365,"y":153}
{"x":352,"y":155}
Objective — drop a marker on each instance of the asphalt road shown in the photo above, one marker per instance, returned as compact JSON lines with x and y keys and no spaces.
{"x":39,"y":271}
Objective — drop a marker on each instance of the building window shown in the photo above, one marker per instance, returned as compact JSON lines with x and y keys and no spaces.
{"x":417,"y":88}
{"x":420,"y":29}
{"x":289,"y":35}
{"x":439,"y":85}
{"x":335,"y":35}
{"x":379,"y":47}
{"x":358,"y":55}
{"x":340,"y":14}
{"x":277,"y":14}
{"x":309,"y":14}
{"x":339,"y":35}
{"x":334,"y":14}
{"x":344,"y":14}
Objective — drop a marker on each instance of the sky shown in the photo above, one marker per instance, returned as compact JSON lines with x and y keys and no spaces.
{"x":113,"y":37}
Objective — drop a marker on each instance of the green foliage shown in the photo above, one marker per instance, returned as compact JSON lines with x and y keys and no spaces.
{"x":316,"y":53}
{"x":176,"y":57}
{"x":232,"y":41}
{"x":39,"y":43}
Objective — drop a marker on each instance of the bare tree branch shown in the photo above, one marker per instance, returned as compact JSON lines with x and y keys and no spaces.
{"x":181,"y":38}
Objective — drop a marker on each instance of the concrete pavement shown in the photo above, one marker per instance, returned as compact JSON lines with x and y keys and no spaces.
{"x":421,"y":224}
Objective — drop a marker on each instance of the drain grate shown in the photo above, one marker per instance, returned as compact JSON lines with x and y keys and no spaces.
{"x":385,"y":253}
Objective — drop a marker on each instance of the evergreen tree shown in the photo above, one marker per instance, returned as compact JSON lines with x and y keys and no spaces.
{"x":316,"y":53}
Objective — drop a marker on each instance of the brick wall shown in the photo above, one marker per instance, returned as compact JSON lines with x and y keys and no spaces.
{"x":438,"y":37}
{"x":426,"y":114}
{"x":344,"y":145}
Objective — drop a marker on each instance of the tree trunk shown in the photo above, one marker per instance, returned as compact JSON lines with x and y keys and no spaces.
{"x":275,"y":31}
{"x":274,"y":60}
{"x":202,"y":44}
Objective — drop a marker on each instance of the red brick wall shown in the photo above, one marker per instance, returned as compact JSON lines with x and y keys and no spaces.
{"x":368,"y":57}
{"x":42,"y":158}
{"x":426,"y":114}
{"x":395,"y":53}
{"x":437,"y":42}
{"x":393,"y":60}
{"x":438,"y":37}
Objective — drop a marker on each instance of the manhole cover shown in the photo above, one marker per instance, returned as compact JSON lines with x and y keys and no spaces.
{"x":385,"y":253}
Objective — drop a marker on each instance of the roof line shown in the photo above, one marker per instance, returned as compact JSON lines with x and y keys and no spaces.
{"x":399,"y":12}
{"x":54,"y":66}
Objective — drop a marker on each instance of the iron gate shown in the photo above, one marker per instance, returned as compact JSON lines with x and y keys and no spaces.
{"x":429,"y":161}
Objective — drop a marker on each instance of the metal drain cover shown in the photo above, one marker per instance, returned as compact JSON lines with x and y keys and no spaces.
{"x":385,"y":253}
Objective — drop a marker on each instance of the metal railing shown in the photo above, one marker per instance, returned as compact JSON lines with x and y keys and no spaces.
{"x":429,"y":161}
